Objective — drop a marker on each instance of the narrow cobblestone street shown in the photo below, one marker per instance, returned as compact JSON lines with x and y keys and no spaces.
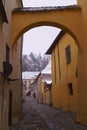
{"x":37,"y":116}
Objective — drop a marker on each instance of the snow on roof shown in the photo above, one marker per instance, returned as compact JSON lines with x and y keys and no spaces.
{"x":30,"y":75}
{"x":47,"y":81}
{"x":47,"y":69}
{"x":26,"y":9}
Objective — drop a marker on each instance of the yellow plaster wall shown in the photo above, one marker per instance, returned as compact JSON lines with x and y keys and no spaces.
{"x":39,"y":93}
{"x":43,"y":97}
{"x":1,"y":44}
{"x":3,"y":86}
{"x":5,"y":38}
{"x":82,"y":70}
{"x":16,"y":86}
{"x":29,"y":19}
{"x":64,"y":74}
{"x":5,"y":102}
{"x":46,"y":95}
{"x":73,"y":21}
{"x":16,"y":103}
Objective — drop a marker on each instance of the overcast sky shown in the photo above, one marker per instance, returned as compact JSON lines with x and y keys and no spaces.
{"x":39,"y":3}
{"x":39,"y":39}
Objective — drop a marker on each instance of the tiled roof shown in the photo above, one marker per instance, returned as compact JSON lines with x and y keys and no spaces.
{"x":46,"y":8}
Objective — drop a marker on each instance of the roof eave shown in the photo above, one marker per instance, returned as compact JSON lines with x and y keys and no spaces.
{"x":49,"y":51}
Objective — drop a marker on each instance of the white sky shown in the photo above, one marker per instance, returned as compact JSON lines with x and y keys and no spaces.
{"x":39,"y":3}
{"x":39,"y":39}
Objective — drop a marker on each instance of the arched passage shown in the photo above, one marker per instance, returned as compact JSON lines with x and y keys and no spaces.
{"x":59,"y":17}
{"x":68,"y":19}
{"x":36,"y":25}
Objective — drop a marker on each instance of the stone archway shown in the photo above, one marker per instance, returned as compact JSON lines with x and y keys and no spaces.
{"x":61,"y":17}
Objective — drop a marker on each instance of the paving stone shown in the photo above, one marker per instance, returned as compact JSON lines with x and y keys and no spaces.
{"x":37,"y":116}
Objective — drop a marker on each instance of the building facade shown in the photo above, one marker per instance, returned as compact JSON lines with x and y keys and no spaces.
{"x":60,"y":17}
{"x":46,"y":90}
{"x":10,"y":67}
{"x":44,"y":85}
{"x":64,"y":72}
{"x":29,"y":84}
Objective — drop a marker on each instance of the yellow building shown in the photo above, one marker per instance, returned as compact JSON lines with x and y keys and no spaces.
{"x":71,"y":19}
{"x":10,"y":67}
{"x":64,"y":52}
{"x":44,"y":85}
{"x":46,"y":91}
{"x":39,"y":89}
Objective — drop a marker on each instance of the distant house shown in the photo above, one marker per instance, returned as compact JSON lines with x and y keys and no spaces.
{"x":34,"y":88}
{"x":64,"y":52}
{"x":46,"y":91}
{"x":29,"y":84}
{"x":44,"y":85}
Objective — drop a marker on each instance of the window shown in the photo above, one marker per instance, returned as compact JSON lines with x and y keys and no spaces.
{"x":76,"y":72}
{"x":70,"y":87}
{"x":7,"y":53}
{"x":68,"y":54}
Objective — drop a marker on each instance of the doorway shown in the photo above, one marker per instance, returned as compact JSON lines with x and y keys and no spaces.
{"x":10,"y":109}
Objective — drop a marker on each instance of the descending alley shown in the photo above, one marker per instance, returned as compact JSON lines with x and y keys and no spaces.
{"x":72,"y":92}
{"x":37,"y":116}
{"x":68,"y":89}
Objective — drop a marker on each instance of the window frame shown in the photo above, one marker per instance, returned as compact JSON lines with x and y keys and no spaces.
{"x":68,"y":54}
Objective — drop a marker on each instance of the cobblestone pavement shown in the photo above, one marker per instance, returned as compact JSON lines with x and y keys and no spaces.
{"x":42,"y":117}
